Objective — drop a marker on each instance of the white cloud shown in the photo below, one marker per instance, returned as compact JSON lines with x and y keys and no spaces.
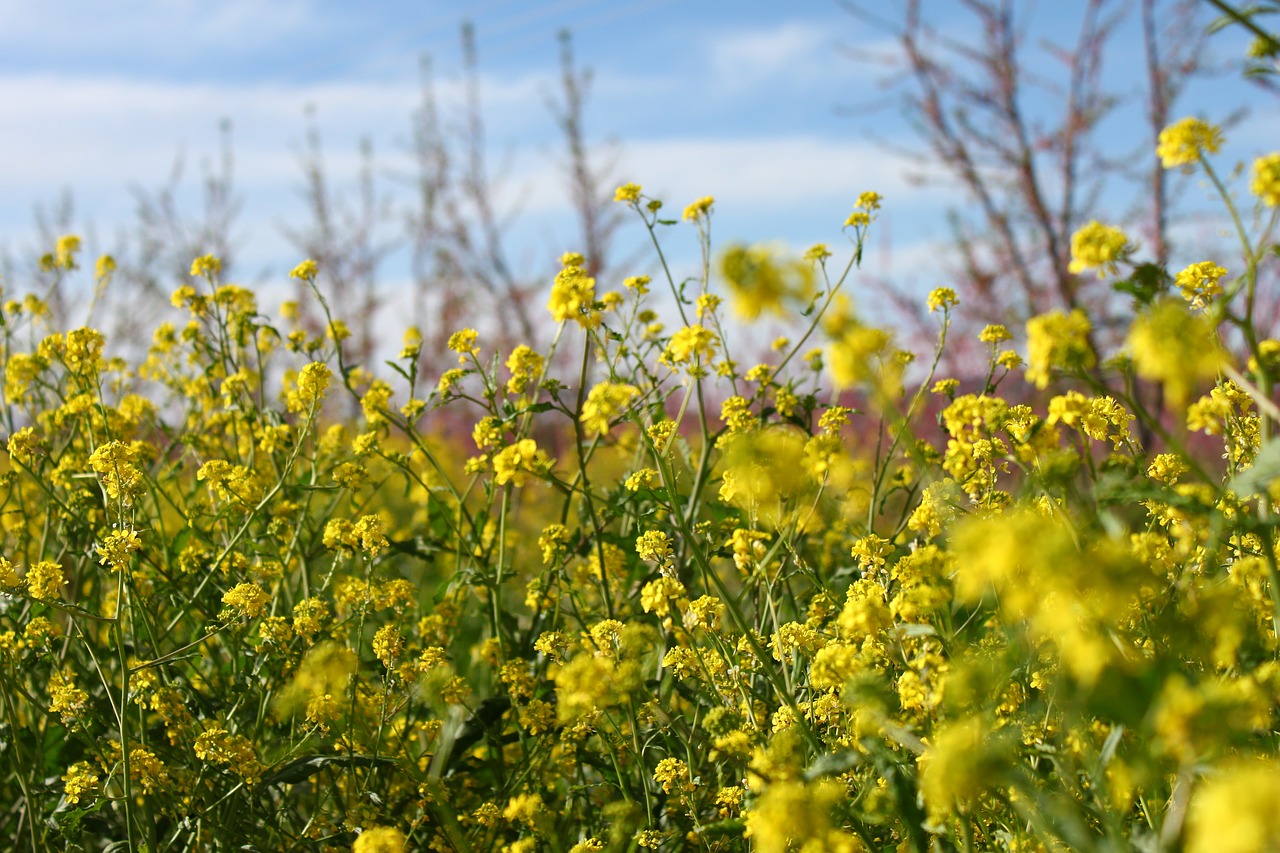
{"x":796,"y":51}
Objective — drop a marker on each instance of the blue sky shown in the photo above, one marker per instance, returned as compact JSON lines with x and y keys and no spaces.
{"x":754,"y":101}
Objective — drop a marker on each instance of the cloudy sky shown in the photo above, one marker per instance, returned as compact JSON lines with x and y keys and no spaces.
{"x":755,"y":101}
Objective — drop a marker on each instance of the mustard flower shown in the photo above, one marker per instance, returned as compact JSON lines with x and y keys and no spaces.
{"x":305,"y":271}
{"x":994,"y":335}
{"x":573,"y":293}
{"x":942,"y":299}
{"x":45,"y":581}
{"x":248,"y":598}
{"x":114,"y":550}
{"x":1200,"y":282}
{"x":964,"y":760}
{"x":1233,"y":810}
{"x":1266,"y":179}
{"x":464,"y":343}
{"x":311,"y":383}
{"x":105,"y":266}
{"x":516,"y":461}
{"x":604,"y":403}
{"x":1183,"y":143}
{"x":699,"y":208}
{"x":81,"y":781}
{"x":206,"y":265}
{"x":629,"y":193}
{"x":1097,"y":246}
{"x":65,"y":252}
{"x":691,"y":345}
{"x":388,"y":644}
{"x":1175,"y":347}
{"x":1057,"y":340}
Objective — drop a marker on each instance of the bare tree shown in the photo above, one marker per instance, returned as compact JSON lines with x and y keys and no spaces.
{"x":1026,"y":148}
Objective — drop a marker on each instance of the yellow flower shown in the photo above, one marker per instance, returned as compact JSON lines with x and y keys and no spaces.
{"x":604,"y":403}
{"x":627,"y":193}
{"x":941,"y":299}
{"x":1057,"y":340}
{"x":1097,"y":246}
{"x":515,"y":462}
{"x":387,"y":645}
{"x":1199,"y":282}
{"x":573,"y":294}
{"x":1175,"y":347}
{"x":994,"y":334}
{"x":81,"y":781}
{"x":691,"y":345}
{"x":1266,"y":179}
{"x":65,"y":253}
{"x":105,"y":266}
{"x":700,"y":208}
{"x":762,"y":281}
{"x":963,"y":761}
{"x":249,"y":598}
{"x":312,"y":382}
{"x":206,"y":265}
{"x":1234,"y":810}
{"x":305,"y":270}
{"x":464,"y":343}
{"x":1185,"y":142}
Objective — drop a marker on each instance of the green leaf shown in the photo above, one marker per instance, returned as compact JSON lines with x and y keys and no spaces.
{"x":832,"y":764}
{"x":1255,"y":480}
{"x":308,"y":765}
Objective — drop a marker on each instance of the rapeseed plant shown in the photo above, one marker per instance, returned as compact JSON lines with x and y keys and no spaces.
{"x":668,"y":602}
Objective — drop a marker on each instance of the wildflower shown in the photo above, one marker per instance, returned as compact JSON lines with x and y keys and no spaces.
{"x":1097,"y":246}
{"x":645,"y":478}
{"x":629,"y":193}
{"x":654,"y":546}
{"x":45,"y":581}
{"x":524,"y":808}
{"x":1199,"y":282}
{"x":81,"y":781}
{"x":573,"y":293}
{"x":691,"y":345}
{"x":817,"y":253}
{"x":464,"y":343}
{"x":1175,"y":347}
{"x":525,"y":365}
{"x":449,"y":379}
{"x":869,"y":201}
{"x":311,"y":383}
{"x":604,"y":403}
{"x":1057,"y":340}
{"x":994,"y":335}
{"x":516,"y":461}
{"x":387,"y":645}
{"x":206,"y":265}
{"x":964,"y":760}
{"x":370,"y":532}
{"x":1185,"y":142}
{"x":305,"y":271}
{"x":942,"y":299}
{"x":672,"y":774}
{"x":121,"y":478}
{"x":700,"y":208}
{"x":1266,"y":179}
{"x":761,"y":281}
{"x":65,"y":699}
{"x":248,"y":598}
{"x":379,"y":839}
{"x":65,"y":252}
{"x":1234,"y":810}
{"x":115,"y":549}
